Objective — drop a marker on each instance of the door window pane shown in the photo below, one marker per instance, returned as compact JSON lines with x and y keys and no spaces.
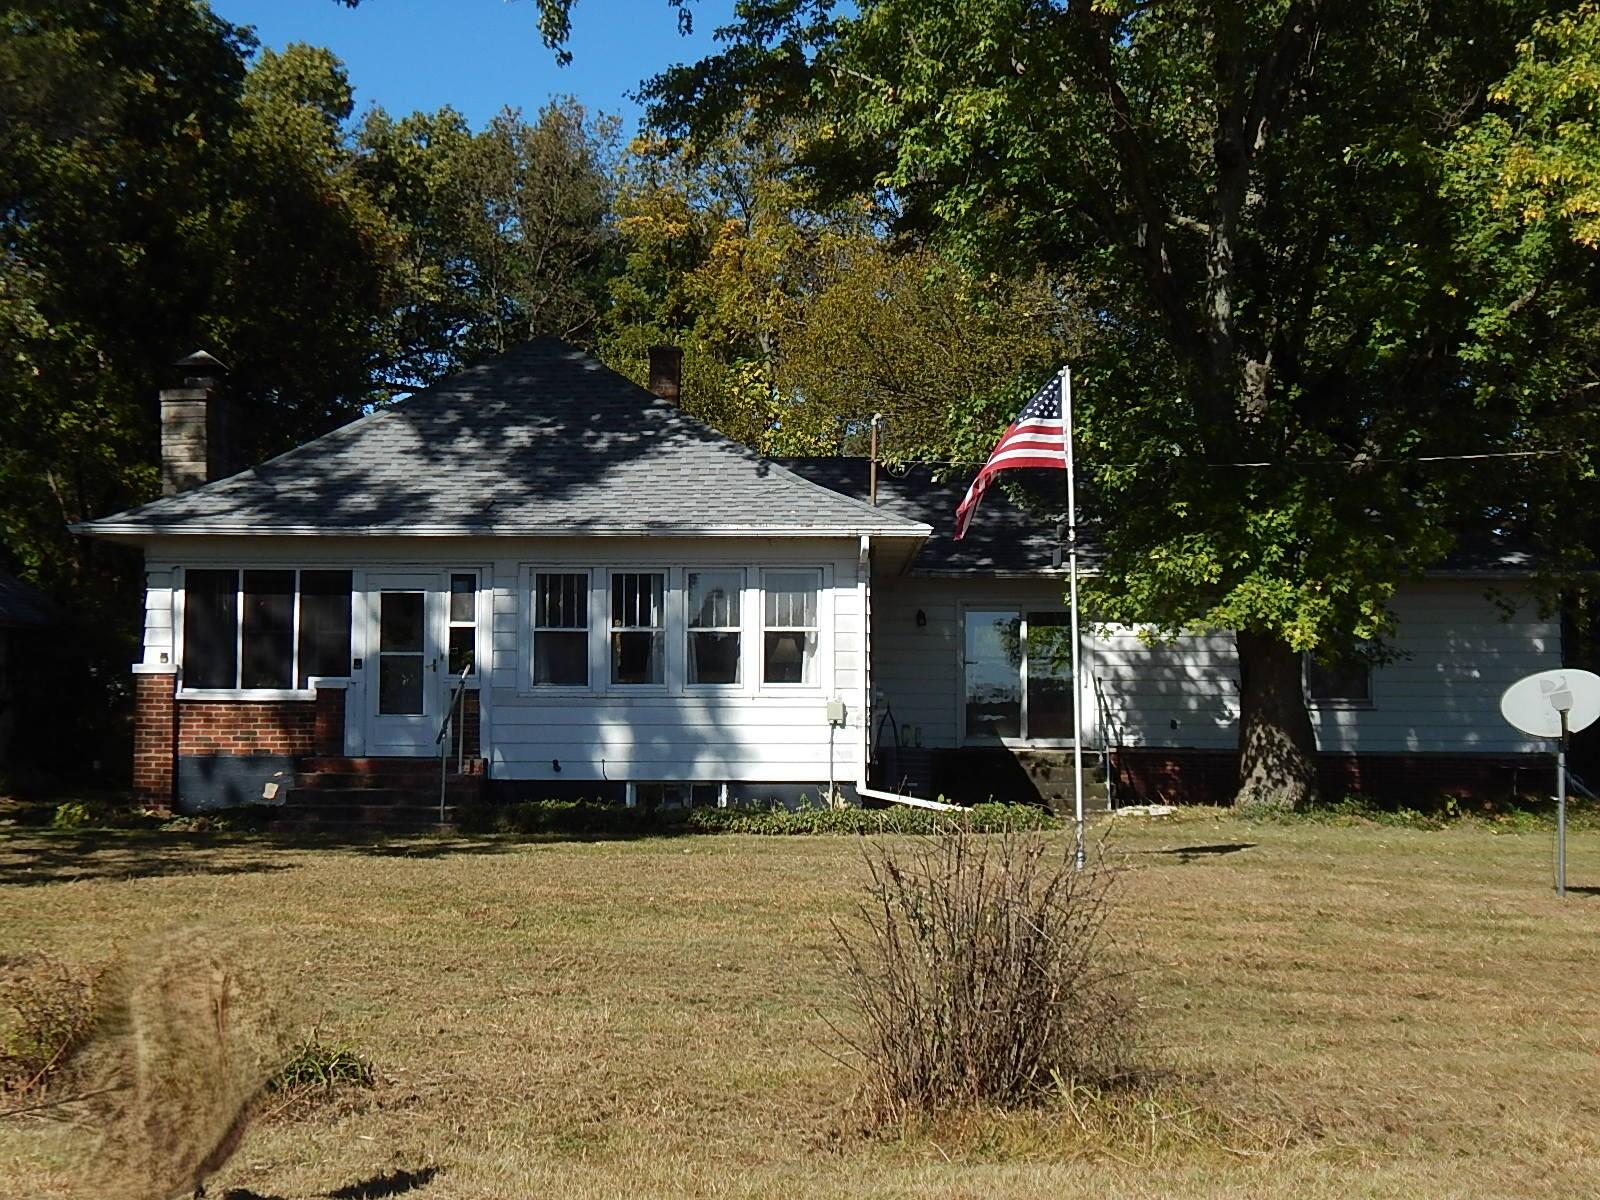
{"x":462,"y":648}
{"x":561,"y":628}
{"x":268,"y":634}
{"x":789,"y":642}
{"x":400,"y":660}
{"x":324,"y":624}
{"x":638,"y":638}
{"x":463,"y":598}
{"x":210,"y":629}
{"x":400,"y":622}
{"x":993,"y":658}
{"x":400,"y":684}
{"x":1049,"y":675}
{"x":714,"y":626}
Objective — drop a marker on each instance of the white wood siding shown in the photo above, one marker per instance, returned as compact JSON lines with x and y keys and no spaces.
{"x":1457,"y":652}
{"x":756,"y":734}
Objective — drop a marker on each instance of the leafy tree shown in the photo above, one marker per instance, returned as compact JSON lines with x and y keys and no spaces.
{"x":1255,"y":198}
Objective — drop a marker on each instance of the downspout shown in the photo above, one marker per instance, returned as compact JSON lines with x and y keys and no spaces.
{"x":864,"y":589}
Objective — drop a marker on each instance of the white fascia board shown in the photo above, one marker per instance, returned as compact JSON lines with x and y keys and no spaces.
{"x":112,"y":529}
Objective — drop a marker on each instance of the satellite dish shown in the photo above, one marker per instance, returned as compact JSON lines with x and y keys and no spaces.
{"x":1534,"y":704}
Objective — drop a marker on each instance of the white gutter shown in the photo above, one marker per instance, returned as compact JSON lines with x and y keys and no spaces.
{"x":864,"y":591}
{"x":129,"y":529}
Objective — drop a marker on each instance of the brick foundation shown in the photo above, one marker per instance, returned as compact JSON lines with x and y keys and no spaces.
{"x":154,"y":739}
{"x":1157,"y":776}
{"x":166,"y":729}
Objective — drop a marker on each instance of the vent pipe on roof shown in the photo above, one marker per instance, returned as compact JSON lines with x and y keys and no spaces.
{"x":666,"y":372}
{"x":194,"y":425}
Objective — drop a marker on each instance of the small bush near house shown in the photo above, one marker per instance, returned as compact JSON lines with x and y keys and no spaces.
{"x":48,"y":1010}
{"x":593,"y":817}
{"x":978,"y":970}
{"x":980,"y":818}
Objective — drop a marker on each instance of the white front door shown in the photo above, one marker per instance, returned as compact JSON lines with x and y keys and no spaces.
{"x":405,"y":666}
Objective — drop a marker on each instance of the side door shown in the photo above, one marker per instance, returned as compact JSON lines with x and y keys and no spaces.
{"x":405,"y":664}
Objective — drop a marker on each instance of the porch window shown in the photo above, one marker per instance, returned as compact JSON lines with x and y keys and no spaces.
{"x":714,"y":626}
{"x":561,"y":628}
{"x":638,"y":627}
{"x":266,"y":630}
{"x":1018,"y":675}
{"x":790,"y":626}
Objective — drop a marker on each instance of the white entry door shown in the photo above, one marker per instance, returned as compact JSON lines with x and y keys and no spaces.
{"x":405,"y":664}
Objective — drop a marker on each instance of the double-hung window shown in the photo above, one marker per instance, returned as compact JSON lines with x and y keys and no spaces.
{"x":264,"y":629}
{"x":561,"y":629}
{"x":638,"y":627}
{"x":463,"y":644}
{"x":714,"y":613}
{"x":790,"y":626}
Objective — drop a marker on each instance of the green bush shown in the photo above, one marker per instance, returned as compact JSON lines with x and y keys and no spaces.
{"x":73,"y":815}
{"x":594,"y":817}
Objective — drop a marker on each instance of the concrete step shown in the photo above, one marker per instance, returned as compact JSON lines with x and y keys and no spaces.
{"x":377,"y":797}
{"x":427,"y":765}
{"x":333,"y":781}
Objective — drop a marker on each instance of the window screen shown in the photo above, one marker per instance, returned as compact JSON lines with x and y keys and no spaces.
{"x":561,"y":629}
{"x":638,"y":634}
{"x":324,"y":624}
{"x":714,"y":626}
{"x":210,"y":629}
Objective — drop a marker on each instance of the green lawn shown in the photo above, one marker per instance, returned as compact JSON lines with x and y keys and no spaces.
{"x":1357,"y":1011}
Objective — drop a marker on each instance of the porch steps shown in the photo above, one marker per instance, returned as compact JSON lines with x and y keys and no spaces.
{"x":375,"y":796}
{"x":1050,"y":771}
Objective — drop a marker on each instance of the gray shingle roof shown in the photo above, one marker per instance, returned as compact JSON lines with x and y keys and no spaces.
{"x":1007,"y":538}
{"x":541,"y":440}
{"x":1003,"y":537}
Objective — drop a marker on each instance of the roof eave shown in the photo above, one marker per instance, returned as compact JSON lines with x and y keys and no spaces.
{"x":120,"y":530}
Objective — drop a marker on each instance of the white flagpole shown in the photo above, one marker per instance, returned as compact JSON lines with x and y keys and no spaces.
{"x":1072,"y":576}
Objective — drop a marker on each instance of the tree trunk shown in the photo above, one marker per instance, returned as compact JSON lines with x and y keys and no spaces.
{"x":1277,"y":747}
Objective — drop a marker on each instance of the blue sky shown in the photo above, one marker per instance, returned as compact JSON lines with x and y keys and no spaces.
{"x":480,"y":55}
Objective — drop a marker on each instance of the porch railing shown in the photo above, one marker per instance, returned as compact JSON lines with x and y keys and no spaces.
{"x":1110,"y":739}
{"x":442,"y":739}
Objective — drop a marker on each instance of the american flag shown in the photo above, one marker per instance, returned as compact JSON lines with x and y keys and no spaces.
{"x":1037,"y":438}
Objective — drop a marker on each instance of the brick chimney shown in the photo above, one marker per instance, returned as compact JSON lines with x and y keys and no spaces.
{"x":666,"y":372}
{"x":194,"y":425}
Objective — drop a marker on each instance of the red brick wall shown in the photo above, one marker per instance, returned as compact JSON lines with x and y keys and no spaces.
{"x":1157,"y":776}
{"x":153,"y":739}
{"x":165,"y":728}
{"x":295,"y":727}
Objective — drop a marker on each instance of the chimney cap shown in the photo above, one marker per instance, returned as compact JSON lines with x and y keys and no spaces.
{"x":201,"y":363}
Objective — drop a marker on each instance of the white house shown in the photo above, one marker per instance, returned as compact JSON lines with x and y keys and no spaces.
{"x":619,"y":601}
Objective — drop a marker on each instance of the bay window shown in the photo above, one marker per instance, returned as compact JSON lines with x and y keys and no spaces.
{"x":714,"y":626}
{"x":264,"y":629}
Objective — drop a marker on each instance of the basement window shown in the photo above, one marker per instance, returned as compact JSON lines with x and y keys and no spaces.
{"x":264,"y":629}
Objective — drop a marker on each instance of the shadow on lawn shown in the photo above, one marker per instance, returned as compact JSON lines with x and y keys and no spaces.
{"x":379,"y":1187}
{"x":1189,"y":854}
{"x":44,"y":859}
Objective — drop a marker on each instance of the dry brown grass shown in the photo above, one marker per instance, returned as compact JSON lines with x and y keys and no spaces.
{"x":1346,"y":1012}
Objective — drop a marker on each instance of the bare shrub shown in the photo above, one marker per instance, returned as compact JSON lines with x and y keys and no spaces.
{"x":47,"y":1012}
{"x":173,"y":1072}
{"x":978,"y":969}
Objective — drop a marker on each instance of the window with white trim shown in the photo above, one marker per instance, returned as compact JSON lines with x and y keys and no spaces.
{"x":561,"y":629}
{"x":713,"y":626}
{"x":790,"y":629}
{"x":264,"y":629}
{"x":463,"y":634}
{"x":1345,"y":682}
{"x":638,"y":627}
